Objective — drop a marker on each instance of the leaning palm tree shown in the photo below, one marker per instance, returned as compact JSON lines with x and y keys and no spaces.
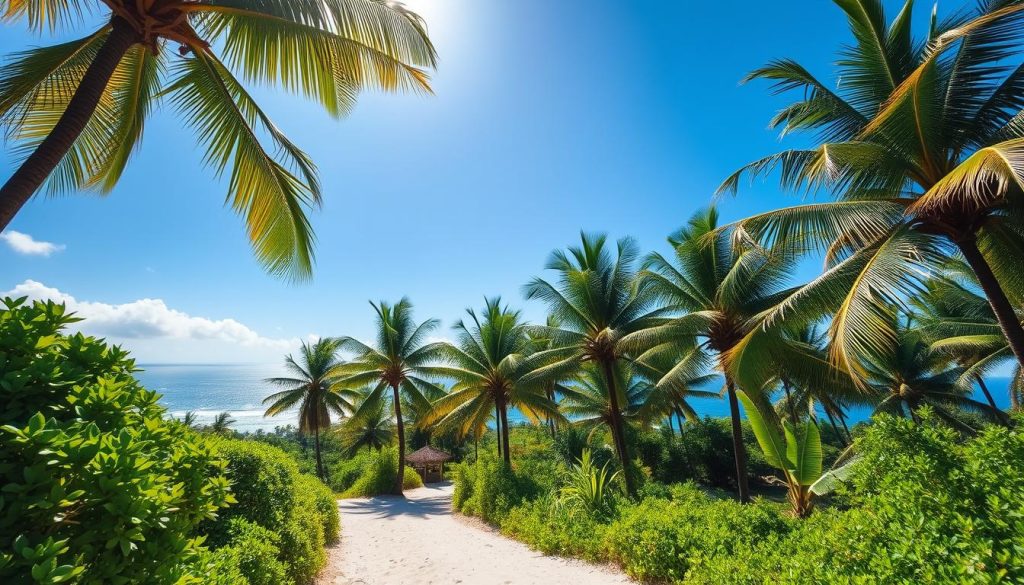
{"x":958,"y":322}
{"x":373,"y":428}
{"x":907,"y":375}
{"x":395,"y":362}
{"x":78,"y":109}
{"x":669,"y":378}
{"x":189,"y":419}
{"x":221,"y":424}
{"x":719,"y":290}
{"x":314,"y":388}
{"x":596,"y":303}
{"x":922,"y":143}
{"x":487,"y":366}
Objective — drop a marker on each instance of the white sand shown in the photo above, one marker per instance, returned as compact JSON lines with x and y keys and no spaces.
{"x":416,"y":540}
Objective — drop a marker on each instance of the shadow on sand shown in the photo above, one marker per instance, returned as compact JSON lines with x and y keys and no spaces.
{"x":431,"y":500}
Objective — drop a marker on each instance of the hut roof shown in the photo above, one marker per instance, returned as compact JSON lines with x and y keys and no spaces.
{"x":427,"y":454}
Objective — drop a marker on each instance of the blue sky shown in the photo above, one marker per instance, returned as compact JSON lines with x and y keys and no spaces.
{"x":548,"y":118}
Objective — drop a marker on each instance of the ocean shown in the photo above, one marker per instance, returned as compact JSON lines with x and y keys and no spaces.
{"x":240,"y":389}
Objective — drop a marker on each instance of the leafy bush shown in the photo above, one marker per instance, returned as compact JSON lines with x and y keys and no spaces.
{"x":661,"y":539}
{"x":554,"y":530}
{"x":263,"y":482}
{"x":97,"y":486}
{"x":256,"y":551}
{"x":588,"y":488}
{"x":322,"y":499}
{"x":489,"y":489}
{"x":378,"y":476}
{"x":297,"y":508}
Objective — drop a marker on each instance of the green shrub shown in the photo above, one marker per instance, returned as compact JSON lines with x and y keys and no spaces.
{"x":302,"y":543}
{"x":256,"y":551}
{"x":97,"y":486}
{"x":554,"y":530}
{"x":345,"y":473}
{"x":273,"y":495}
{"x":378,"y":476}
{"x":489,"y":489}
{"x":661,"y":539}
{"x":263,"y":483}
{"x":926,"y":509}
{"x":322,"y":499}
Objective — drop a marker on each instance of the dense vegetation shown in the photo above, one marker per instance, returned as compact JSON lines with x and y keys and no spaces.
{"x":966,"y":525}
{"x":100,"y":487}
{"x":919,"y":302}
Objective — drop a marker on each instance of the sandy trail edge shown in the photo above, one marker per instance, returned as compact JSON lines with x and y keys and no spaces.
{"x":390,"y":541}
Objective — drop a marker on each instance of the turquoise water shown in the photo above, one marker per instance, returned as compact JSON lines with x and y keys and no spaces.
{"x":240,"y":388}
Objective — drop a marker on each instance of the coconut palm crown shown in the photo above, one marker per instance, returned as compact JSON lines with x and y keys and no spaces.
{"x":395,"y":361}
{"x":921,"y":141}
{"x":312,"y":387}
{"x":487,"y":365}
{"x":77,"y":110}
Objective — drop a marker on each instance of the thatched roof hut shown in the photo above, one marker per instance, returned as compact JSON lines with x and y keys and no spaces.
{"x":429,"y":463}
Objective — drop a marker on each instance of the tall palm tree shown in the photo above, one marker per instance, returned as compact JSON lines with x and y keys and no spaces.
{"x":958,"y":322}
{"x":718,"y":290}
{"x":922,"y":143}
{"x":373,"y":428}
{"x":395,"y":361}
{"x":221,"y":424}
{"x":488,"y":366}
{"x":586,"y":400}
{"x":596,"y":303}
{"x":313,"y":387}
{"x":667,"y":382}
{"x":907,"y":375}
{"x":78,"y":109}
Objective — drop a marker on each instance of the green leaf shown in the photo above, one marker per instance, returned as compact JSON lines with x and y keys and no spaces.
{"x":768,"y":437}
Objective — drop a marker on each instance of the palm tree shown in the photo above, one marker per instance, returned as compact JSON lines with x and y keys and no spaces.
{"x":372,"y":429}
{"x":586,"y":399}
{"x":488,"y":366}
{"x":907,"y":375}
{"x":189,"y":420}
{"x":667,"y":382}
{"x":922,"y":143}
{"x":395,"y":361}
{"x":596,"y":303}
{"x":315,"y":389}
{"x":720,"y":290}
{"x":958,"y":322}
{"x":78,"y":108}
{"x":221,"y":424}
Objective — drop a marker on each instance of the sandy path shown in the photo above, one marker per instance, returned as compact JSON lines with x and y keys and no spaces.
{"x":391,"y":541}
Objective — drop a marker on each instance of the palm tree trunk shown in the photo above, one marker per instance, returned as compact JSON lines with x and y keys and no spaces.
{"x":988,"y":395}
{"x":506,"y":454}
{"x":835,"y":428}
{"x":37,"y":167}
{"x":789,"y":403}
{"x":319,"y":460}
{"x":618,"y":434}
{"x":400,"y":480}
{"x":680,"y":420}
{"x":739,"y":450}
{"x":997,"y":298}
{"x":497,"y":426}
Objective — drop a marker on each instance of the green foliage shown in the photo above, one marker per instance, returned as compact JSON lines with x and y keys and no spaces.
{"x":555,"y":530}
{"x":263,"y":482}
{"x":313,"y":492}
{"x":97,"y":486}
{"x":588,"y":488}
{"x":272,"y":495}
{"x":377,"y":476}
{"x":666,"y":539}
{"x":489,"y":489}
{"x":256,"y":551}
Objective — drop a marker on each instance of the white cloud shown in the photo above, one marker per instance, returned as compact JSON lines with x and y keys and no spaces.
{"x":178,"y":335}
{"x":26,"y":244}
